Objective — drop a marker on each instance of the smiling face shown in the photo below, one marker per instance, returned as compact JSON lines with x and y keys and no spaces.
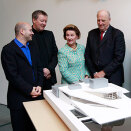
{"x":103,"y":20}
{"x":23,"y":31}
{"x":71,"y":37}
{"x":39,"y":24}
{"x":27,"y":32}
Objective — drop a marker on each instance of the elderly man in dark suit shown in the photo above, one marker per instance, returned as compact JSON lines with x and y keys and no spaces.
{"x":46,"y":45}
{"x":23,"y":70}
{"x":105,"y":50}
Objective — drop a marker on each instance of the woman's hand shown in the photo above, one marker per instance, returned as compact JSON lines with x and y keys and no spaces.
{"x":86,"y":76}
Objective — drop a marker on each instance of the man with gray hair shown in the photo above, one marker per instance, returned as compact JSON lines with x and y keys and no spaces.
{"x":22,"y":69}
{"x":104,"y":54}
{"x":105,"y":50}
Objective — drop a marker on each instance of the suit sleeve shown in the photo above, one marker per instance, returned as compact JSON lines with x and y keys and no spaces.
{"x":63,"y":67}
{"x":119,"y":54}
{"x":86,"y":71}
{"x":39,"y":69}
{"x":54,"y":60}
{"x":88,"y":60}
{"x":9,"y":64}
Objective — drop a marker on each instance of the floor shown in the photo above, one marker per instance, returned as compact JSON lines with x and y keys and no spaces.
{"x":5,"y":122}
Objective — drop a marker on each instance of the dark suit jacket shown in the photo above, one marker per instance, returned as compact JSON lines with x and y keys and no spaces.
{"x":48,"y":40}
{"x":19,"y":73}
{"x":107,"y":55}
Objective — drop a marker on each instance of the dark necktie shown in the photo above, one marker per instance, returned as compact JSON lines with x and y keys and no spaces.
{"x":102,"y":35}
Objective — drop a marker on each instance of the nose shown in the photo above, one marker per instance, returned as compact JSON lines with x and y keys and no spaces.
{"x":100,"y":22}
{"x":44,"y":22}
{"x":69,"y":37}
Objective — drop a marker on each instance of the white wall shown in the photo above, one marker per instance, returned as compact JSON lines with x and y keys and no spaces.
{"x":82,"y":13}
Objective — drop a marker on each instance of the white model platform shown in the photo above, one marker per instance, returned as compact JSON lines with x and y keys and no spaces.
{"x":98,"y":109}
{"x":64,"y":111}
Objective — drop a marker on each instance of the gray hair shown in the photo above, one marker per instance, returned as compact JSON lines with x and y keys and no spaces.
{"x":106,"y":11}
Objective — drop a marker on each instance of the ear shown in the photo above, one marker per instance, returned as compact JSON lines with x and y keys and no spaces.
{"x":110,"y":19}
{"x":22,"y":31}
{"x":33,"y":20}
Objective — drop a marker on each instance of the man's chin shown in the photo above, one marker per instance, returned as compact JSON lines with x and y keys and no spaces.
{"x":30,"y":39}
{"x":42,"y":29}
{"x":101,"y":29}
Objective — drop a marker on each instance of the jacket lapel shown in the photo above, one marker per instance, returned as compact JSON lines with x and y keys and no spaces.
{"x":31,"y":53}
{"x":20,"y":52}
{"x":46,"y":41}
{"x":103,"y":41}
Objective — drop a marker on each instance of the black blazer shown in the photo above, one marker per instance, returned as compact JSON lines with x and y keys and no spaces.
{"x":19,"y":73}
{"x":49,"y":41}
{"x":107,"y":55}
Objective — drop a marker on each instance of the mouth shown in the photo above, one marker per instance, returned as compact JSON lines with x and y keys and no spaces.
{"x":31,"y":36}
{"x":101,"y":26}
{"x":43,"y":26}
{"x":70,"y":41}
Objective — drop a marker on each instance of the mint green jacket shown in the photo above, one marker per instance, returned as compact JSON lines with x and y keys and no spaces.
{"x":72,"y":64}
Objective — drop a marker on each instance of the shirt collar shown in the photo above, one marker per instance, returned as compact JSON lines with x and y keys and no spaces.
{"x":104,"y":33}
{"x":20,"y":44}
{"x":71,"y":49}
{"x":36,"y":32}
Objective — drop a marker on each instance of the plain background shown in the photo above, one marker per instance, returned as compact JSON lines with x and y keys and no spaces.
{"x":82,"y":13}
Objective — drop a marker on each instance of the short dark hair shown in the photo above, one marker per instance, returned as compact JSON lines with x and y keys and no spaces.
{"x":36,"y":13}
{"x":71,"y":27}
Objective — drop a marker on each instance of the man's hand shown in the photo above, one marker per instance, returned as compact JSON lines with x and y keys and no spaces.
{"x":36,"y":91}
{"x":47,"y":74}
{"x":100,"y":74}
